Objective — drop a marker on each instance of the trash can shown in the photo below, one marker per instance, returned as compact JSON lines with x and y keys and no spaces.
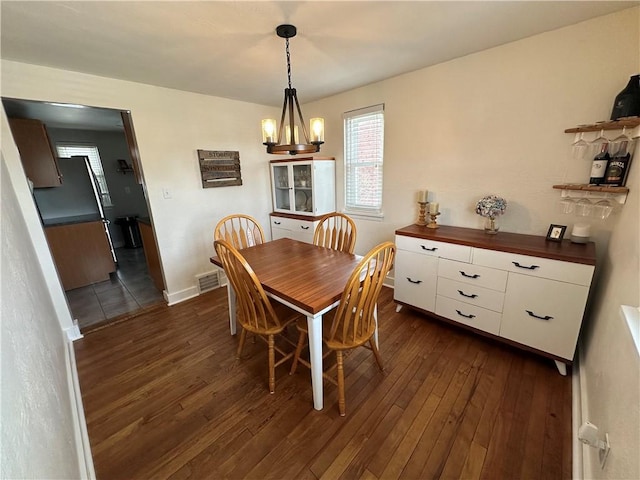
{"x":130,"y":231}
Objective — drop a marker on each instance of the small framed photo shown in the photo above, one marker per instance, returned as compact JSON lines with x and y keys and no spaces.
{"x":556,"y":232}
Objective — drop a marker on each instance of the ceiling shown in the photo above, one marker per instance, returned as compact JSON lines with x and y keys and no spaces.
{"x":230,"y":48}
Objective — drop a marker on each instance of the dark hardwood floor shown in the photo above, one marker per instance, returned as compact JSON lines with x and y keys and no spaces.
{"x":165,"y":397}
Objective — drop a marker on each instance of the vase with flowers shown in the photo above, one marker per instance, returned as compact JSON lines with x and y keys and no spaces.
{"x":491,"y":207}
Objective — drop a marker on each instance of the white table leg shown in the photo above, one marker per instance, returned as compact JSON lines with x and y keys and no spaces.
{"x":231,"y":298}
{"x":398,"y":308}
{"x":562,"y":368}
{"x":314,"y":324}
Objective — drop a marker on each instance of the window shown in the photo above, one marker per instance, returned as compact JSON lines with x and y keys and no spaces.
{"x":363,"y":155}
{"x":90,"y":151}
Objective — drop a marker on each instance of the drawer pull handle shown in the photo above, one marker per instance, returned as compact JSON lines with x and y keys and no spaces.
{"x":473,"y":295}
{"x":432,"y":249}
{"x":277,"y":223}
{"x":475,"y":275}
{"x":532,"y":267}
{"x":414,"y":281}
{"x":304,"y":228}
{"x":531,"y":314}
{"x":465,"y":316}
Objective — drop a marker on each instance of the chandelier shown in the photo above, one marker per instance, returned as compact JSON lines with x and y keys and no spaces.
{"x":288,"y":139}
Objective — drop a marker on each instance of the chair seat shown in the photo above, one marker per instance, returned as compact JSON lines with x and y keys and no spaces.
{"x":338,"y":343}
{"x":286,"y":315}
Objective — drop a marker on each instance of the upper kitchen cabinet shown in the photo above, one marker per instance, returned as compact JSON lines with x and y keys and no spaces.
{"x":38,"y":158}
{"x":304,"y":186}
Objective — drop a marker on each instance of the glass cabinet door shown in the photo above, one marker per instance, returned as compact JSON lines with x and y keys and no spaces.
{"x":302,"y":187}
{"x":281,"y":187}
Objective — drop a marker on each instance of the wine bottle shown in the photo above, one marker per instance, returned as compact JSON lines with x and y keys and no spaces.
{"x":617,"y":168}
{"x":627,"y":102}
{"x":599,"y":166}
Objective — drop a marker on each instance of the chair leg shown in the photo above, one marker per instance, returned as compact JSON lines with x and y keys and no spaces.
{"x":341,"y":401}
{"x":296,"y":356}
{"x":376,"y":353}
{"x":272,"y":367}
{"x":243,"y":336}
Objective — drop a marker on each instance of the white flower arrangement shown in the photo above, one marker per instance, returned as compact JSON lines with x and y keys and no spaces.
{"x":491,"y":206}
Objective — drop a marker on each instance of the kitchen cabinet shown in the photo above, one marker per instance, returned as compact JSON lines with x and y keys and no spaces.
{"x":520,"y":289}
{"x":38,"y":158}
{"x":303,"y":186}
{"x":81,"y":252}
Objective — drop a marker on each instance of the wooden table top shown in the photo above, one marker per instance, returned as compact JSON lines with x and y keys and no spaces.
{"x":303,"y":274}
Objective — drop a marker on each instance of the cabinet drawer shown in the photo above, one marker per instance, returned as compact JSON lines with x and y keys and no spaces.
{"x":476,"y":317}
{"x":461,"y":253}
{"x":537,"y":267}
{"x":302,"y":230}
{"x":415,"y":280}
{"x":544,"y":314}
{"x":471,"y":294}
{"x":473,"y":274}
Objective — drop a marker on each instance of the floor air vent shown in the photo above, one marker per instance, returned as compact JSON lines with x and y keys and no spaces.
{"x":208,"y":281}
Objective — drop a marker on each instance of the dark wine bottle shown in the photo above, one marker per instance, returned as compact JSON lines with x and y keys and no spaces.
{"x":599,"y":166}
{"x":618,"y":167}
{"x":627,"y":102}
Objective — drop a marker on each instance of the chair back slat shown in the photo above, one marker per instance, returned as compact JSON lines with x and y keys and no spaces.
{"x":354,"y":322}
{"x":240,"y":230}
{"x":253,"y":310}
{"x":336,"y":231}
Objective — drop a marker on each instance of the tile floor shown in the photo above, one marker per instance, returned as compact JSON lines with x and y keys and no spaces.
{"x":130,"y":288}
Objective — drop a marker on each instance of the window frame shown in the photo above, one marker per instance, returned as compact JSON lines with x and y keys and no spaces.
{"x":351,"y":207}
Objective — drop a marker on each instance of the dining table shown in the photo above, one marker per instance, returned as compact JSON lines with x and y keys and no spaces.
{"x":307,"y":278}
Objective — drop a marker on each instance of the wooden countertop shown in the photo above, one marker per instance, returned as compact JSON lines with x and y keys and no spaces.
{"x":533,"y":245}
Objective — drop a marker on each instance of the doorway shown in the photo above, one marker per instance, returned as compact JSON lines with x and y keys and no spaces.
{"x":109,"y":132}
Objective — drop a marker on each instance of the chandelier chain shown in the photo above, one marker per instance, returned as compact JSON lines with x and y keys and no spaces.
{"x":288,"y":63}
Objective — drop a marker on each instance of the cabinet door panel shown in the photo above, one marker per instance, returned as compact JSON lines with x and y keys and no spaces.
{"x":38,"y":159}
{"x":415,"y":279}
{"x":544,"y":314}
{"x":471,"y":315}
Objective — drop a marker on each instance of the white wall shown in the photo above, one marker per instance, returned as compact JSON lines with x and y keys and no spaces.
{"x":170,"y":127}
{"x":493,"y":123}
{"x":37,"y":421}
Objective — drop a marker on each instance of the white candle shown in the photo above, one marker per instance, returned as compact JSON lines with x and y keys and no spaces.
{"x":433,"y":207}
{"x":422,"y":196}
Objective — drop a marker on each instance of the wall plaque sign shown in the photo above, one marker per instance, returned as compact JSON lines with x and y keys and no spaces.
{"x":219,"y":168}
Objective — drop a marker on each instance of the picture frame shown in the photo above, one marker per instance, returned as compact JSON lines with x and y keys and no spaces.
{"x":556,"y":232}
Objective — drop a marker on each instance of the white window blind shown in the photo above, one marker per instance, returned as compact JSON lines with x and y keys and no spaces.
{"x":90,"y":151}
{"x":363,"y":157}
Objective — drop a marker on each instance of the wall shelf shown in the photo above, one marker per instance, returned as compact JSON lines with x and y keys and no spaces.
{"x":619,"y":194}
{"x":629,"y":122}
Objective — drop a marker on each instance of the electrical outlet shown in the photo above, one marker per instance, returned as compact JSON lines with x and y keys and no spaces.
{"x":166,"y":193}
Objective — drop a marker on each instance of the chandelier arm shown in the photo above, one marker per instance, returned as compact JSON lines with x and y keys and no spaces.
{"x":304,"y":125}
{"x":284,"y":110}
{"x":291,"y":95}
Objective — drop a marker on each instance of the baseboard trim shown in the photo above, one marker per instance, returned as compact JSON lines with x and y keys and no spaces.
{"x":181,"y":296}
{"x":85,"y":460}
{"x":577,"y":398}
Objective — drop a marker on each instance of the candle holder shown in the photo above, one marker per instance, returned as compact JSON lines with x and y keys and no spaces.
{"x":422,"y":218}
{"x":432,"y":220}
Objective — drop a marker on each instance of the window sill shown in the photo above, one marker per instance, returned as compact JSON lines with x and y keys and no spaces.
{"x":374,"y":217}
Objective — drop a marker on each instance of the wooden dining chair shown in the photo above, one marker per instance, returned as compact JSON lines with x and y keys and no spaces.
{"x":353,"y":324}
{"x":239,"y":230}
{"x":336,"y":231}
{"x":254,"y":310}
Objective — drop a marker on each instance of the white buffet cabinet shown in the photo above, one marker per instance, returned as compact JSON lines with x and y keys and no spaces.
{"x":521,"y":289}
